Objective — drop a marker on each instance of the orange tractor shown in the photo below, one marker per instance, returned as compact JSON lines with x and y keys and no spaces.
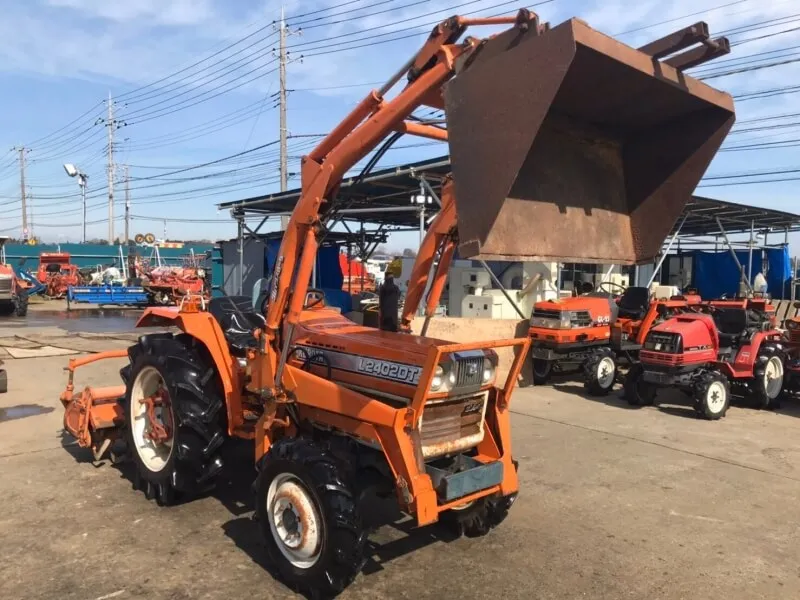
{"x":57,"y":273}
{"x":565,"y":333}
{"x":13,"y":291}
{"x":336,"y":409}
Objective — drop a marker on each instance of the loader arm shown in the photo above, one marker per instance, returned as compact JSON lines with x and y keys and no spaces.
{"x":353,"y":139}
{"x":439,"y":239}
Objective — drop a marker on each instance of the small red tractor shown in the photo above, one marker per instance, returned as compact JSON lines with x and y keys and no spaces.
{"x":709,"y":354}
{"x":13,"y":291}
{"x":792,"y":328}
{"x":337,"y":410}
{"x":628,"y":333}
{"x":565,"y":333}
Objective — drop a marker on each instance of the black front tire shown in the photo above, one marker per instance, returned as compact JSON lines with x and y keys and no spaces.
{"x":479,"y":518}
{"x":636,"y":390}
{"x":329,"y":488}
{"x":197,"y":409}
{"x":542,"y":370}
{"x":21,"y":303}
{"x":712,"y":395}
{"x":592,"y":367}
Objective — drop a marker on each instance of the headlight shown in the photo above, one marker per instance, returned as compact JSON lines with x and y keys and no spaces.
{"x":789,"y":324}
{"x":489,"y":371}
{"x":546,"y":323}
{"x":443,"y":379}
{"x":201,"y":273}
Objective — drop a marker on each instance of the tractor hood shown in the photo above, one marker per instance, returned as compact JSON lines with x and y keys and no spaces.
{"x":690,"y":331}
{"x":596,"y":304}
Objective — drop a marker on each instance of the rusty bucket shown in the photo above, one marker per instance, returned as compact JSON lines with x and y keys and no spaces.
{"x":568,"y":145}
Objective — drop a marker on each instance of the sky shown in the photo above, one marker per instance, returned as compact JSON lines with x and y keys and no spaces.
{"x":195,"y":81}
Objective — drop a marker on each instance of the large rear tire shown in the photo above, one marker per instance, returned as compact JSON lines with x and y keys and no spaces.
{"x":542,"y":370}
{"x":600,"y":372}
{"x":307,"y":509}
{"x":189,"y":413}
{"x":636,"y":390}
{"x":712,"y":395}
{"x":768,"y":377}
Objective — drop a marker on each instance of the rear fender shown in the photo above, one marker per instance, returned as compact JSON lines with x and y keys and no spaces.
{"x":205,"y":329}
{"x":746,"y":357}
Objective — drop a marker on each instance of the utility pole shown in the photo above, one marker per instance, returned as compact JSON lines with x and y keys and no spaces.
{"x":111,"y":123}
{"x":283,"y":60}
{"x":22,"y":192}
{"x":127,"y":203}
{"x":283,"y":132}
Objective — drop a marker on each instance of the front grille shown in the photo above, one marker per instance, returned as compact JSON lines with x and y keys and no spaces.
{"x":579,"y":318}
{"x":669,"y":343}
{"x":452,"y":425}
{"x":540,"y":313}
{"x":794,"y":336}
{"x":582,"y":318}
{"x":5,"y":285}
{"x":469,"y":371}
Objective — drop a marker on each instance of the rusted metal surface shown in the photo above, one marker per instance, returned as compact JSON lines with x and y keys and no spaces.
{"x":572,"y":146}
{"x":702,"y":54}
{"x":452,"y":425}
{"x":160,"y":428}
{"x":675,"y":42}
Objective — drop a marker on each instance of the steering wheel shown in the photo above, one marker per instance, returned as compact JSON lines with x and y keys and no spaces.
{"x":600,"y":288}
{"x":314,"y":298}
{"x":703,"y":308}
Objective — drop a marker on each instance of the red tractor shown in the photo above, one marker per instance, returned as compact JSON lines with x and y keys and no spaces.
{"x":708,"y":354}
{"x":628,"y":333}
{"x":792,"y":327}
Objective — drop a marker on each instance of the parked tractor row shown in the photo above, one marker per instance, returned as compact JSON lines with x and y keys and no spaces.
{"x":707,"y":349}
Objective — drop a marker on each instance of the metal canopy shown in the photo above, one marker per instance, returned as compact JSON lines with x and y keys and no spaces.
{"x":701,"y":215}
{"x":384,"y":197}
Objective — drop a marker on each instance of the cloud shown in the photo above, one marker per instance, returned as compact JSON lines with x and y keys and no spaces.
{"x":165,"y":12}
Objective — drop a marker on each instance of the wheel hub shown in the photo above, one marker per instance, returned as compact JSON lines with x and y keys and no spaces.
{"x":605,"y":372}
{"x":715,"y":397}
{"x":294,"y":521}
{"x":151,"y":419}
{"x":773,"y":377}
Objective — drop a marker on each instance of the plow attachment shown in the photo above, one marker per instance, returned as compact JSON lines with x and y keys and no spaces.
{"x":568,"y":145}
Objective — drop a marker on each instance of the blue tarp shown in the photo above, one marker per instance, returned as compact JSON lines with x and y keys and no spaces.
{"x":780,"y":272}
{"x":329,"y":273}
{"x":716,"y":273}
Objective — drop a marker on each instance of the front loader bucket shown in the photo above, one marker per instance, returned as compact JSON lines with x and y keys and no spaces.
{"x":567,"y":145}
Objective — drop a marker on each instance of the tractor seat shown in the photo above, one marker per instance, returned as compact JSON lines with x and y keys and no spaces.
{"x":634,"y":302}
{"x":237,"y":319}
{"x":731,"y":325}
